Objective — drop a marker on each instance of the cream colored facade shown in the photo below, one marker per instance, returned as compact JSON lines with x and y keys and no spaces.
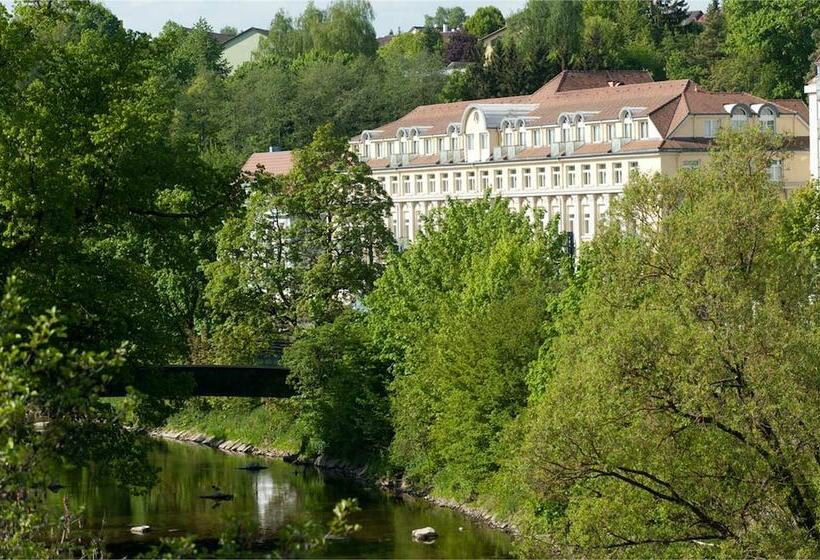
{"x":571,"y":168}
{"x":239,"y":49}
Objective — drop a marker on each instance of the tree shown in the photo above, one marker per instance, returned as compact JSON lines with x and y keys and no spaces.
{"x":484,"y":21}
{"x":453,"y":18}
{"x":229,"y":30}
{"x":460,"y":47}
{"x":776,"y":35}
{"x":680,"y":410}
{"x":601,"y":44}
{"x":185,"y":52}
{"x":42,"y":377}
{"x":564,"y":29}
{"x":98,"y":194}
{"x":442,"y":314}
{"x":308,"y":246}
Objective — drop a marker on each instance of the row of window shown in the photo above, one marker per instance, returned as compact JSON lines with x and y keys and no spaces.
{"x":567,"y":222}
{"x":536,"y":137}
{"x":602,"y":174}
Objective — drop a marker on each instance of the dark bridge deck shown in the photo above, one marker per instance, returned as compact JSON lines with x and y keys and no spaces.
{"x":212,"y":381}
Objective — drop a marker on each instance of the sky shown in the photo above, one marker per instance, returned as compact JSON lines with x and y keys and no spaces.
{"x":151,"y":15}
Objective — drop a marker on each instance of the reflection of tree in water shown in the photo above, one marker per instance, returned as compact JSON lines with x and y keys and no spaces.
{"x":275,"y":500}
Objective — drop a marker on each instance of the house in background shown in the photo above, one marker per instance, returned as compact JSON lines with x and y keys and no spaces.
{"x":814,"y":123}
{"x":239,"y":49}
{"x":487,"y":41}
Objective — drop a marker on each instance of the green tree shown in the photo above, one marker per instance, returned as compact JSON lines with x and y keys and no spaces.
{"x":307,"y":247}
{"x":185,"y":52}
{"x":344,"y":410}
{"x":484,"y":21}
{"x":443,"y":314}
{"x":42,"y":377}
{"x":681,"y":405}
{"x":776,"y":36}
{"x":453,"y":18}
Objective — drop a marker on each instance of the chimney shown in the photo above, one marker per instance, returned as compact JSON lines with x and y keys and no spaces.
{"x":444,"y":28}
{"x":270,"y":148}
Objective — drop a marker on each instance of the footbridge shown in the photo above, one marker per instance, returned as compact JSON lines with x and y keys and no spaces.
{"x":205,"y":380}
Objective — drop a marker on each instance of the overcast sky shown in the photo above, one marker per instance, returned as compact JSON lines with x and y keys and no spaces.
{"x":151,"y":15}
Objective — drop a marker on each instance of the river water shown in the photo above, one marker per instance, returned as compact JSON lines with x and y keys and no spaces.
{"x":266,"y":500}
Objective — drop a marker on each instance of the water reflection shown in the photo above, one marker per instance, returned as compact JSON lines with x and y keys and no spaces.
{"x":268,"y":498}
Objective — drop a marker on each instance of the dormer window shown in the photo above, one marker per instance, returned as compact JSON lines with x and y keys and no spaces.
{"x":767,"y":118}
{"x":643,"y":129}
{"x":739,"y":118}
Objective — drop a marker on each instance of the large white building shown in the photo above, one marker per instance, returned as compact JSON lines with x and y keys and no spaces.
{"x":814,"y":123}
{"x":567,"y":149}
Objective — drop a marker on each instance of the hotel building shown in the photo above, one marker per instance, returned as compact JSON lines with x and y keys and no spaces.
{"x":567,"y":149}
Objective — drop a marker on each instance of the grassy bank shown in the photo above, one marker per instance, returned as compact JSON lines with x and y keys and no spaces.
{"x":264,"y":423}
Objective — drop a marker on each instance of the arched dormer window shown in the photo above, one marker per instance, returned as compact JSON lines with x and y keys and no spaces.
{"x":453,"y":133}
{"x":626,"y":123}
{"x":565,"y":125}
{"x":768,"y":118}
{"x":580,"y":127}
{"x":507,"y":128}
{"x":739,"y":117}
{"x":521,"y":125}
{"x":415,"y":140}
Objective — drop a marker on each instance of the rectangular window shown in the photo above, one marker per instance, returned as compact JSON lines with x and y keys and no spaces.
{"x":406,"y":184}
{"x":690,"y":163}
{"x":394,"y":185}
{"x":416,"y":145}
{"x":445,"y":182}
{"x":627,"y":129}
{"x":522,"y":138}
{"x":633,"y":166}
{"x":579,"y":132}
{"x":499,"y":179}
{"x":485,"y":180}
{"x":542,"y":177}
{"x":571,"y":222}
{"x":527,"y":178}
{"x":596,"y":133}
{"x":431,"y":183}
{"x":485,"y":140}
{"x":586,"y":175}
{"x":565,"y":134}
{"x":419,"y":183}
{"x":470,"y":141}
{"x":556,"y":176}
{"x":471,"y":180}
{"x":428,"y":148}
{"x":457,"y":182}
{"x":586,"y":224}
{"x":379,"y":149}
{"x":512,"y":179}
{"x":775,"y":171}
{"x":602,"y":174}
{"x":610,"y":132}
{"x":536,"y":137}
{"x":711,"y":127}
{"x":570,"y":175}
{"x":618,"y":173}
{"x":550,"y":135}
{"x":508,"y":137}
{"x":643,"y":129}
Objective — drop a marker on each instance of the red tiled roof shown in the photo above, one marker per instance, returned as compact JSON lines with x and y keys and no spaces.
{"x":796,"y":105}
{"x":570,"y":80}
{"x":275,"y":163}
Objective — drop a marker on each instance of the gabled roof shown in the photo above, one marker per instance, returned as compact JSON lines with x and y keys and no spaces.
{"x":243,"y":34}
{"x":275,"y":163}
{"x":796,"y":105}
{"x":571,"y":80}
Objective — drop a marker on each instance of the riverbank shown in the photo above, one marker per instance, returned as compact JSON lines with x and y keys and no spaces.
{"x":338,"y":468}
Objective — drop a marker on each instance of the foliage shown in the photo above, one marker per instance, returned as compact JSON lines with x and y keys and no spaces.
{"x":484,"y":21}
{"x":44,"y":379}
{"x":342,"y":390}
{"x":309,"y":244}
{"x":344,"y":27}
{"x":681,"y":405}
{"x":460,"y":47}
{"x":453,"y":18}
{"x":442,"y":314}
{"x":98,"y":194}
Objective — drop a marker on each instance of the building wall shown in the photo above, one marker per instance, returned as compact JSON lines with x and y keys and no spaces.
{"x":240,"y":51}
{"x":578,"y":191}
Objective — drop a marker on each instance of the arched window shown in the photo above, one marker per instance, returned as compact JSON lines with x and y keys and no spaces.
{"x":767,"y":118}
{"x":739,"y":118}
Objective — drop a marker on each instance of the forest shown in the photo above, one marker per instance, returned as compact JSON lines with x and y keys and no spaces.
{"x":655,"y":396}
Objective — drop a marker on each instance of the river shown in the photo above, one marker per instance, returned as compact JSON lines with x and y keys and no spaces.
{"x":267,"y":500}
